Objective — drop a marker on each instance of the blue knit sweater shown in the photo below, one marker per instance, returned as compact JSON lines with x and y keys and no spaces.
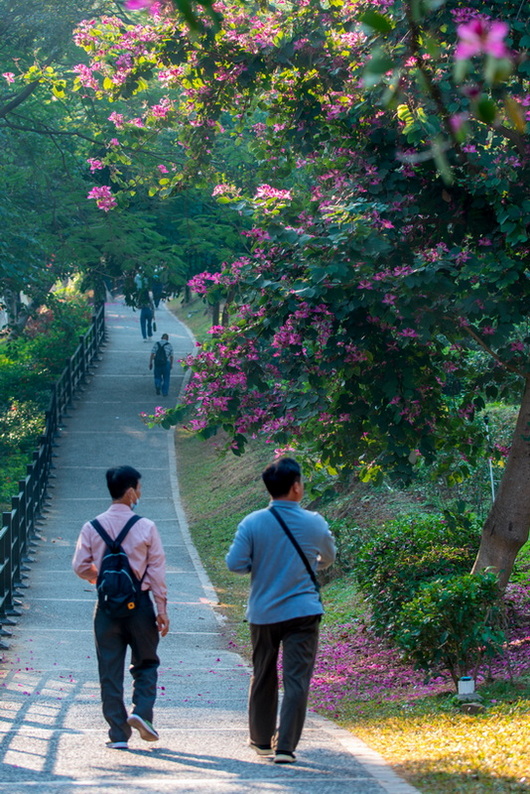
{"x":280,"y":586}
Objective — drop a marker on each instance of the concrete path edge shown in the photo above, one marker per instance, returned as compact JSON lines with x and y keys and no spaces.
{"x":371,"y":760}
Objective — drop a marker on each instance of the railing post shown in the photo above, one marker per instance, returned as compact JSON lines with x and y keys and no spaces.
{"x":82,"y":359}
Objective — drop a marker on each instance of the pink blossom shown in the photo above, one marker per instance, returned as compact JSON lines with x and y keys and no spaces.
{"x":458,"y":120}
{"x":95,"y":165}
{"x":117,"y":119}
{"x":104,"y":198}
{"x":136,"y":5}
{"x":9,"y":76}
{"x":162,"y":169}
{"x":268,"y":192}
{"x":479,"y":36}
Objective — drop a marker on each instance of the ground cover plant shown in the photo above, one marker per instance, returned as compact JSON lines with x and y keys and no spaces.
{"x":361,"y":680}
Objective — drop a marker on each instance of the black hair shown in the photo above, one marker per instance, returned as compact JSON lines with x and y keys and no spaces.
{"x":120,"y":479}
{"x":280,"y":476}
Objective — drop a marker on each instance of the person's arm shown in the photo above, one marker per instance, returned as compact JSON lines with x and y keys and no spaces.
{"x":156,"y":574}
{"x":239,"y":557}
{"x":151,"y":359}
{"x":327,"y":550}
{"x":83,"y":561}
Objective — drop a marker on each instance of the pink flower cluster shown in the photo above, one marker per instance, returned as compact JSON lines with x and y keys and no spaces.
{"x":95,"y":165}
{"x":482,"y":37}
{"x":104,"y":198}
{"x":265,"y":192}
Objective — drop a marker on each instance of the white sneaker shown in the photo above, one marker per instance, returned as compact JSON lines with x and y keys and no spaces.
{"x":144,"y":727}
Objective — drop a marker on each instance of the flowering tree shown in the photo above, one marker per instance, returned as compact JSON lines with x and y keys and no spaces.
{"x":386,"y":295}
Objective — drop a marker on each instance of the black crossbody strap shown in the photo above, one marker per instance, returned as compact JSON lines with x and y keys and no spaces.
{"x":297,"y":546}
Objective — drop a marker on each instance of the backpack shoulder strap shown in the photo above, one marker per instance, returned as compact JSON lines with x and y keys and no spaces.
{"x":297,"y":546}
{"x":102,"y":533}
{"x":105,"y":535}
{"x":130,"y":523}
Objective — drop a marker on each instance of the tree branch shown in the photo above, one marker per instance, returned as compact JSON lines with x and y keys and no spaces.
{"x":19,"y":99}
{"x":492,"y":353}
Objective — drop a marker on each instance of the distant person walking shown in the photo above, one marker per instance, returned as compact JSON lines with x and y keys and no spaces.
{"x":284,"y":607}
{"x":140,"y":629}
{"x":147,"y":315}
{"x":162,"y":360}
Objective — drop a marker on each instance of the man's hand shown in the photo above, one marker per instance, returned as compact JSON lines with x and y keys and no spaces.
{"x":162,"y":621}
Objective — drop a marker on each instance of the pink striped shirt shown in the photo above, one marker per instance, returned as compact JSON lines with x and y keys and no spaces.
{"x":142,"y":545}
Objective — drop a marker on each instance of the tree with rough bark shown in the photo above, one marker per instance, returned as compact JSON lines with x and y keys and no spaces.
{"x":386,"y":296}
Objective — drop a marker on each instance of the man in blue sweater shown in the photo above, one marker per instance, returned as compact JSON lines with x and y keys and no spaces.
{"x":284,"y":607}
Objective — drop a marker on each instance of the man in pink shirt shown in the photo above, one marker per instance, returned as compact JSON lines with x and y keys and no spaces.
{"x":139,"y":631}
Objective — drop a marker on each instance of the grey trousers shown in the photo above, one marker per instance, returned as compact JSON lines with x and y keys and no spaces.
{"x":113,"y":636}
{"x":299,"y":640}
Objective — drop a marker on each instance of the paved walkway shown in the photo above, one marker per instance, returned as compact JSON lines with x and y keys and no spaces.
{"x":52,"y":734}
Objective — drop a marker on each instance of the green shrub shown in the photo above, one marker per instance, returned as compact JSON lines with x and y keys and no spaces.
{"x":452,"y":622}
{"x":408,"y":552}
{"x":29,"y":365}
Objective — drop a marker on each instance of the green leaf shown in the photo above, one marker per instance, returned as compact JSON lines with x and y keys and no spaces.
{"x":380,"y":63}
{"x":486,"y":110}
{"x":379,"y":22}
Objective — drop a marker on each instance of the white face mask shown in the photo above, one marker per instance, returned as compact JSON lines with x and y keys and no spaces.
{"x":134,"y":504}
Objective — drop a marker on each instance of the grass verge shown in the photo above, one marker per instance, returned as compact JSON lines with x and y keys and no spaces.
{"x":425,"y":737}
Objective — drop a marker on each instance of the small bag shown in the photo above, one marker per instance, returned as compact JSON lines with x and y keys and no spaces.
{"x":154,"y":326}
{"x":119,"y":589}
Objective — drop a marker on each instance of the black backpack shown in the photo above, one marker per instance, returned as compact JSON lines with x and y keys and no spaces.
{"x":160,"y":355}
{"x":118,"y":586}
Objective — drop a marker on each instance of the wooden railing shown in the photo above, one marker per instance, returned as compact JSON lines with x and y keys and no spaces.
{"x":19,"y":526}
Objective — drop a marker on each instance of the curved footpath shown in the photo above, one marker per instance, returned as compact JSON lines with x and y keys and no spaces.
{"x":52,"y":733}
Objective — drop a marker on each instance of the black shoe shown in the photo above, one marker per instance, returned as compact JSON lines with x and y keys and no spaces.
{"x":262,"y":749}
{"x":284,"y":757}
{"x":158,"y":391}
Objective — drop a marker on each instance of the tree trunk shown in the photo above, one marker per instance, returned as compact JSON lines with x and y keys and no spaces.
{"x":216,"y":313}
{"x":506,"y":528}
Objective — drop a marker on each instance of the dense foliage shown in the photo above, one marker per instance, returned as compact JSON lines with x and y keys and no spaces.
{"x":390,"y":235}
{"x":454,"y":623}
{"x":384,"y":177}
{"x":406,"y":554}
{"x":29,"y":365}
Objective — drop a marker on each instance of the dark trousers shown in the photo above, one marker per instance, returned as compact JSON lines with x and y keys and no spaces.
{"x":299,"y":640}
{"x":113,"y":636}
{"x":146,"y":322}
{"x":162,"y":375}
